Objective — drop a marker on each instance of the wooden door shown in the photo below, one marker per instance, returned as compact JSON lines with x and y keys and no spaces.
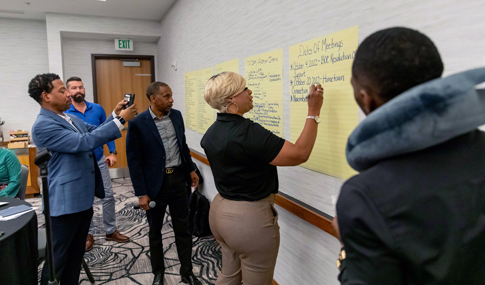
{"x":113,"y":80}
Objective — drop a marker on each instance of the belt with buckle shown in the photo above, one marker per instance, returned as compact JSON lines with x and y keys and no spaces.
{"x":170,"y":170}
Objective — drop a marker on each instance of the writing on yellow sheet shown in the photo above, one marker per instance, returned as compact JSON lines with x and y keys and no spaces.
{"x":191,"y":101}
{"x":264,"y":76}
{"x":326,"y":61}
{"x":205,"y":113}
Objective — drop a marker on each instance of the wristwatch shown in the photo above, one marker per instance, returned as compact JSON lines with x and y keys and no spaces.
{"x":122,"y":121}
{"x":316,"y":118}
{"x":114,"y":151}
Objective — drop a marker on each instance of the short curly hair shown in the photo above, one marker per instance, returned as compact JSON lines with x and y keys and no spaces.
{"x":221,"y":87}
{"x":394,"y":60}
{"x":154,"y":88}
{"x":41,"y":83}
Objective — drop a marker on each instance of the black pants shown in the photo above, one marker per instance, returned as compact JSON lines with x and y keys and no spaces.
{"x":174,"y":194}
{"x":69,"y":234}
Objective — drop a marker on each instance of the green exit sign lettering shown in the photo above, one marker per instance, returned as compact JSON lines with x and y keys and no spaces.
{"x":122,"y":44}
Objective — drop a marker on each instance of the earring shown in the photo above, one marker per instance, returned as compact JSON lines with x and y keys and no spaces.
{"x":231,"y":103}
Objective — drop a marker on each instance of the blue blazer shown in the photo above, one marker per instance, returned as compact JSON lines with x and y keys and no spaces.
{"x":72,"y":168}
{"x":146,"y":155}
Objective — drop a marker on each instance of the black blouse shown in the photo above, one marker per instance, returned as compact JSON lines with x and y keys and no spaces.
{"x":239,"y":152}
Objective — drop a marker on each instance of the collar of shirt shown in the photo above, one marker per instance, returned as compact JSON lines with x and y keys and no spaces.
{"x":68,"y":119}
{"x":155,"y":116}
{"x":65,"y":117}
{"x":228,"y":117}
{"x":88,"y":107}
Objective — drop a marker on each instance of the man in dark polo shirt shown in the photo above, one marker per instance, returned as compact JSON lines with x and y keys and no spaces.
{"x":160,"y":164}
{"x":415,"y":214}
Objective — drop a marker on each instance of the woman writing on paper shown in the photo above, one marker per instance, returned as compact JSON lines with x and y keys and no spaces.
{"x":243,"y":157}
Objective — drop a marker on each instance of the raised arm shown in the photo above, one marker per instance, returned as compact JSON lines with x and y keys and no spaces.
{"x":58,"y":138}
{"x":299,"y":152}
{"x":110,"y":160}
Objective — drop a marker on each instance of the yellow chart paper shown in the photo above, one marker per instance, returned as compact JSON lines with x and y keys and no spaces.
{"x":205,"y":113}
{"x":191,"y":103}
{"x":328,"y":61}
{"x":231,"y":65}
{"x":264,"y":76}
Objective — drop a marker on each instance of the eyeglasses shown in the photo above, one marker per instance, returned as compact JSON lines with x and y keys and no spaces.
{"x":240,"y":92}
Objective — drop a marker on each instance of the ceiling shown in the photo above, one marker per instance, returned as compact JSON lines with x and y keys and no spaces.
{"x":110,"y":37}
{"x":132,"y":9}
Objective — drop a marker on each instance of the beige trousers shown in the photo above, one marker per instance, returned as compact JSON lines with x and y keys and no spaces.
{"x":249,"y":236}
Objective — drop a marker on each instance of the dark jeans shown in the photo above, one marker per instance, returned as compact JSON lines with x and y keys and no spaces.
{"x":69,"y":234}
{"x":174,"y":194}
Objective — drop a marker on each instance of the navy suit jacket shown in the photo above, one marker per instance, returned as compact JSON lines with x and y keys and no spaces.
{"x":72,"y":168}
{"x":146,"y":155}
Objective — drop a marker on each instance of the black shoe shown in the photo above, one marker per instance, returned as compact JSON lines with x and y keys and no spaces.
{"x":191,"y":279}
{"x":158,"y":280}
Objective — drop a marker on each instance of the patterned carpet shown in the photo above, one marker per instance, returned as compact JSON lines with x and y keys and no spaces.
{"x":129,"y":263}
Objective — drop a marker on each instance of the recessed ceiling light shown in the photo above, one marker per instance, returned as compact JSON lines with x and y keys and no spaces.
{"x":101,"y":0}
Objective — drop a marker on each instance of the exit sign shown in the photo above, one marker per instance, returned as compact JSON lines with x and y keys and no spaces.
{"x":121,"y":44}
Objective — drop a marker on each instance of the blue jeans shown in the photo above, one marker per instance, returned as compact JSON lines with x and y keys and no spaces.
{"x":109,"y":215}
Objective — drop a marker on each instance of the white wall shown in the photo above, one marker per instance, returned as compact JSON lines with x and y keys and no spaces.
{"x":23,"y":54}
{"x":76,"y":55}
{"x":123,"y":28}
{"x":201,"y":34}
{"x":32,"y":47}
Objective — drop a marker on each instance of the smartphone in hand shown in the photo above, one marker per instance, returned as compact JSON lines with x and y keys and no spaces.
{"x":130,"y":98}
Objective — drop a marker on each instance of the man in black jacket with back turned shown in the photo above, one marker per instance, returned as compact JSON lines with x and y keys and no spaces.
{"x":415,"y":214}
{"x":160,"y":164}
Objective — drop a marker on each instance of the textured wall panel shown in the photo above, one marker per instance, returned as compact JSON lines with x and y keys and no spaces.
{"x":23,"y":54}
{"x":201,"y":34}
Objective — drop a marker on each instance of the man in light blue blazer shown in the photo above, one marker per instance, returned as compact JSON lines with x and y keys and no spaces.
{"x":74,"y":176}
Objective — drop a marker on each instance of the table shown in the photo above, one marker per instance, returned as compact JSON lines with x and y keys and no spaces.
{"x":27,"y":156}
{"x":18,"y":247}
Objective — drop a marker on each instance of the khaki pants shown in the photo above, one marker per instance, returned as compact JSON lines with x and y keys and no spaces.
{"x":249,"y":236}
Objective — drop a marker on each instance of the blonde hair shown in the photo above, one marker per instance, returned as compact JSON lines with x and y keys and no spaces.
{"x":221,"y":87}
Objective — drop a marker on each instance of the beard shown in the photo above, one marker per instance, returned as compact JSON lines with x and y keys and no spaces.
{"x":78,"y":98}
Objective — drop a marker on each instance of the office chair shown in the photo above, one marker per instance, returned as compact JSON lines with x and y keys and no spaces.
{"x":24,"y":176}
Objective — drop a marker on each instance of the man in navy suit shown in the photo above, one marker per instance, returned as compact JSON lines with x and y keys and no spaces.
{"x":160,"y":167}
{"x":74,"y":176}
